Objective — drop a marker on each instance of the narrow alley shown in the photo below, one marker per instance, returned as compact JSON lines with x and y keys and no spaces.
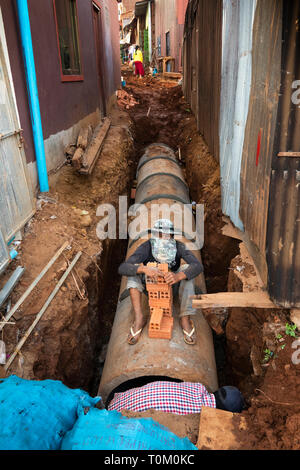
{"x":69,"y":322}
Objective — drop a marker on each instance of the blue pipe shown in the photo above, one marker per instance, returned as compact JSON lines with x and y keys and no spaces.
{"x":33,"y":94}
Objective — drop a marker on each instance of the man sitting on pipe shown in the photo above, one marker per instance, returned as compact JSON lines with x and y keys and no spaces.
{"x":178,"y":398}
{"x":162,"y":248}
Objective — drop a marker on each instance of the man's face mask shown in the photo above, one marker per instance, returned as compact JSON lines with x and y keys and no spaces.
{"x":164,"y":250}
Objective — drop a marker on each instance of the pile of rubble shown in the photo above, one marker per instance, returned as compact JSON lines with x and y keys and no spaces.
{"x":125,"y":100}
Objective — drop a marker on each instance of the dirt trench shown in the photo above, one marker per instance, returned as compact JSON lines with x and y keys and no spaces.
{"x":69,"y":343}
{"x":269,"y":382}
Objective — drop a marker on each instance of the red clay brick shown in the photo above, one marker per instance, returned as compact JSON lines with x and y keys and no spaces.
{"x":165,"y":331}
{"x":160,"y":298}
{"x":163,"y":267}
{"x":160,"y":303}
{"x":152,"y":265}
{"x":160,"y":279}
{"x":156,"y":319}
{"x":167,"y":312}
{"x":163,"y":288}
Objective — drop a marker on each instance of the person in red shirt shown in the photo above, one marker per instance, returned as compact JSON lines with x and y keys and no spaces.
{"x":138,"y":62}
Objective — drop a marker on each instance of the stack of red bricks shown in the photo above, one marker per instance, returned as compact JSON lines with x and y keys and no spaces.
{"x":160,"y":303}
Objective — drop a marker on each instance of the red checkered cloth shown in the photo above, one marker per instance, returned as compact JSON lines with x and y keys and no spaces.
{"x":171,"y":397}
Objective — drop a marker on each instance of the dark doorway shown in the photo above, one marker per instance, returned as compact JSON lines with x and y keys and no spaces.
{"x":168,"y":48}
{"x":168,"y":51}
{"x":99,"y":53}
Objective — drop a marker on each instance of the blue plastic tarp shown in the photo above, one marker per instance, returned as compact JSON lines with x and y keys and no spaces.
{"x":109,"y":430}
{"x":35,"y":415}
{"x":47,"y":415}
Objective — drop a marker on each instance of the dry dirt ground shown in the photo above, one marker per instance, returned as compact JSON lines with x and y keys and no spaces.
{"x":69,"y":342}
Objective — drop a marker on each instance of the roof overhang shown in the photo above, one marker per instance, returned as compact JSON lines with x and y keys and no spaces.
{"x":141,"y":8}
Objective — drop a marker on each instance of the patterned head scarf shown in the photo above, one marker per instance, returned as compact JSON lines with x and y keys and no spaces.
{"x":163,"y":250}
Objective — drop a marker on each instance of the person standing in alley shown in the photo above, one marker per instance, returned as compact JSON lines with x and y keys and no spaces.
{"x":138,"y":62}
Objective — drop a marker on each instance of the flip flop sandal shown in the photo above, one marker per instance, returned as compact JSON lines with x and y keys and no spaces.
{"x":191,"y":340}
{"x":132,"y":339}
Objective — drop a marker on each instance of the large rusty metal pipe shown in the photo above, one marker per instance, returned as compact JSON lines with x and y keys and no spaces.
{"x":159,"y":180}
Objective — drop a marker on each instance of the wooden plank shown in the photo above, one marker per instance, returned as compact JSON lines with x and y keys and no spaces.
{"x":92,"y":153}
{"x":219,"y":430}
{"x":256,"y":299}
{"x":84,"y":137}
{"x":78,"y":158}
{"x":33,"y":284}
{"x":70,"y":149}
{"x":172,"y":75}
{"x":230,"y":231}
{"x":82,"y":140}
{"x":42,"y":311}
{"x":289,"y":154}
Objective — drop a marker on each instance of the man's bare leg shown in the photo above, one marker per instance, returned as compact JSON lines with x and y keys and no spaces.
{"x":139,"y":321}
{"x":186,"y":325}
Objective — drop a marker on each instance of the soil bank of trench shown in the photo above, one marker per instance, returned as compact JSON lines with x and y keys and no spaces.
{"x":69,"y":343}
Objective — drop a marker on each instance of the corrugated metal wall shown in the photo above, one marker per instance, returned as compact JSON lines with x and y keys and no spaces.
{"x":283,"y":238}
{"x":259,"y":134}
{"x":202,"y":66}
{"x":252,"y":120}
{"x":238,"y":18}
{"x":16,"y":204}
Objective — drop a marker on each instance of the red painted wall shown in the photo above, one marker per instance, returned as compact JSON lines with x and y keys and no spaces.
{"x":62,"y":104}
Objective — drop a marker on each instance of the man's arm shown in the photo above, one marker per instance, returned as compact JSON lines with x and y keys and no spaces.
{"x":134,"y":265}
{"x":173,"y":278}
{"x":131,"y":265}
{"x":195,"y":267}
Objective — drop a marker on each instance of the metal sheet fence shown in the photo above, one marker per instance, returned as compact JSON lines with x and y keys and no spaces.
{"x":260,"y":127}
{"x":202,"y":66}
{"x":16,"y":204}
{"x":283,"y":238}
